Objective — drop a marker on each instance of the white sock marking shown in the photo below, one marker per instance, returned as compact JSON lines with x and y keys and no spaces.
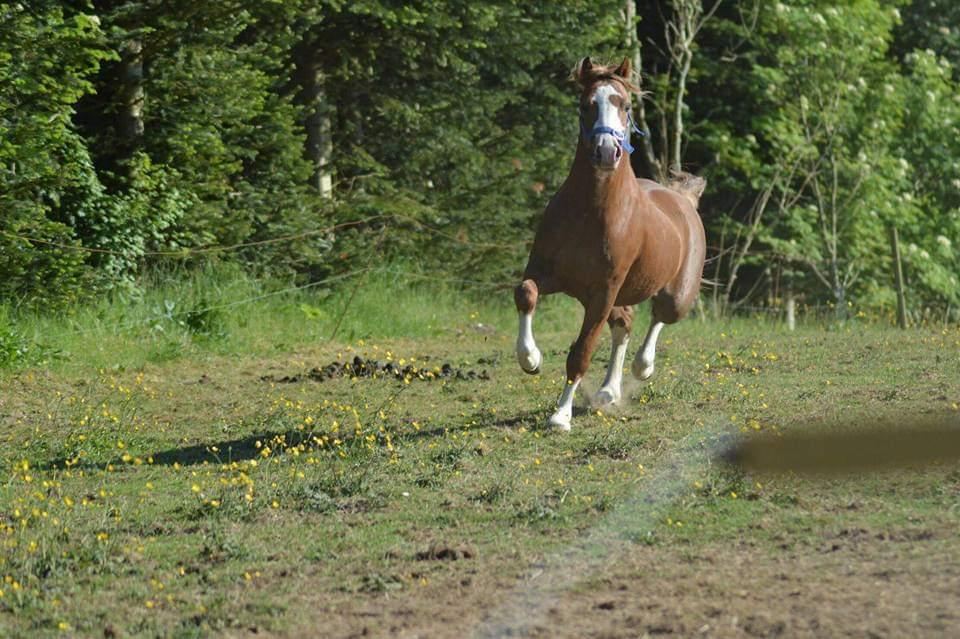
{"x":643,"y":362}
{"x":610,"y":392}
{"x":564,"y":413}
{"x":528,"y":355}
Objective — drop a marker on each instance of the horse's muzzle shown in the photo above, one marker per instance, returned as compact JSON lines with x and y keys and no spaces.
{"x":606,"y":153}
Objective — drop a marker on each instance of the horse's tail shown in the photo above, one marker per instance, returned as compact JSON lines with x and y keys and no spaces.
{"x":687,"y":184}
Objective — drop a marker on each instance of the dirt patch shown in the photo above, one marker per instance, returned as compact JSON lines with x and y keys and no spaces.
{"x":445,"y":552}
{"x":378,"y":369}
{"x":875,"y":589}
{"x":872,"y":590}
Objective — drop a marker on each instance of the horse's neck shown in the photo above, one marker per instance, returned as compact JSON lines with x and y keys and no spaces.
{"x":600,"y":190}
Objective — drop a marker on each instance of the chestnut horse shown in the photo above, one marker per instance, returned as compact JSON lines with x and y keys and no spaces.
{"x":611,"y":240}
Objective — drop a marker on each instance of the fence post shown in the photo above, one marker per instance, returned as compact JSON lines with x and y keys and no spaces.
{"x":791,"y":312}
{"x":898,"y":278}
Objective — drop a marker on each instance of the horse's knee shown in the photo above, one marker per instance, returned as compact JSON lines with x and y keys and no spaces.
{"x":578,"y":358}
{"x":576,"y":362}
{"x":622,"y":317}
{"x":525,"y":296}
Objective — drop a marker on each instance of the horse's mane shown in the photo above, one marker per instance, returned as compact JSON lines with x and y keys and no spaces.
{"x":585,"y":74}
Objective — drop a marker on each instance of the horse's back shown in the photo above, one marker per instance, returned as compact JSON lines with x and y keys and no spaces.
{"x":668,"y":200}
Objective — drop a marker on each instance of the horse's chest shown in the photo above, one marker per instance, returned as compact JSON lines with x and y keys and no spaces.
{"x":588,"y":250}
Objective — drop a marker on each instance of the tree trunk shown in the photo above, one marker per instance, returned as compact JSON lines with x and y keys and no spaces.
{"x":632,"y":46}
{"x":677,"y":142}
{"x":130,"y":125}
{"x":318,"y":126}
{"x":898,"y":278}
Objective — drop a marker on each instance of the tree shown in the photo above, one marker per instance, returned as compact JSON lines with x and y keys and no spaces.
{"x":48,"y":56}
{"x":818,"y":152}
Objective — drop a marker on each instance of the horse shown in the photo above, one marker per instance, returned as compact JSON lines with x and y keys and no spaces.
{"x":611,"y":240}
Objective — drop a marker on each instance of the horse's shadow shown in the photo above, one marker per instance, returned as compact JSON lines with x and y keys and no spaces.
{"x":251,"y":446}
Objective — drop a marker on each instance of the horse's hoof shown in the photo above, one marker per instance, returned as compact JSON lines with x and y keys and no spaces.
{"x":606,"y":397}
{"x":530,"y":362}
{"x":559,"y":422}
{"x":642,"y":371}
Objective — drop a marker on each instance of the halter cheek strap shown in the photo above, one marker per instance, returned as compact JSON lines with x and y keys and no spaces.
{"x":622,"y":138}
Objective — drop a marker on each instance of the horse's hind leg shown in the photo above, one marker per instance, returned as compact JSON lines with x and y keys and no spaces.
{"x":620,"y":321}
{"x":643,"y":362}
{"x":668,"y":308}
{"x":673,"y":303}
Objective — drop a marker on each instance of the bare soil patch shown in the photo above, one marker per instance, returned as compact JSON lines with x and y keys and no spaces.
{"x":368,"y":368}
{"x":869,"y":586}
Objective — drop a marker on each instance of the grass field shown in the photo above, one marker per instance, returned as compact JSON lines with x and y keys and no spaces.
{"x":189,"y":476}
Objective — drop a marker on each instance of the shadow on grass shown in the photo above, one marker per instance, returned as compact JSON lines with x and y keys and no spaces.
{"x":251,"y":446}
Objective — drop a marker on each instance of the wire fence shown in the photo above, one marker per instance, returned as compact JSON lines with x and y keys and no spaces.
{"x":393,"y":221}
{"x":158,"y":317}
{"x":152,"y":319}
{"x":186,"y":252}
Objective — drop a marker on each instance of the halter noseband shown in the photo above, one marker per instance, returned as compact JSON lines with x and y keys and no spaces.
{"x":622,"y":137}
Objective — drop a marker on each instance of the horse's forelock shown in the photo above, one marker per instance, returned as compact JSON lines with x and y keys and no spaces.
{"x":587,"y":74}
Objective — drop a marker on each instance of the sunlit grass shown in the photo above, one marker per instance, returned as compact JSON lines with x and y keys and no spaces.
{"x":163,"y":481}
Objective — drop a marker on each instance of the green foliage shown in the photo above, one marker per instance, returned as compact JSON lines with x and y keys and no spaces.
{"x":473,"y":123}
{"x":835,"y":145}
{"x":132,"y":131}
{"x":122,"y":227}
{"x":930,"y":25}
{"x":930,"y":142}
{"x":47,"y":57}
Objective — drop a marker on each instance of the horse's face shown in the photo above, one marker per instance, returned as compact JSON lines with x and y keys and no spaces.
{"x":604,"y":117}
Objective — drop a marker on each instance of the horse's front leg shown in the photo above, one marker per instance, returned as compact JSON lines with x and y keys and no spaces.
{"x":620,"y":321}
{"x":525,"y":296}
{"x":578,"y":359}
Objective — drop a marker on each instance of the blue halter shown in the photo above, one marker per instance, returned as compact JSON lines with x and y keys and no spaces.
{"x":622,"y":137}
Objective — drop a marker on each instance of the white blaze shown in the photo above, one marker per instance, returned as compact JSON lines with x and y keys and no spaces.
{"x":607,"y":147}
{"x":607,"y":114}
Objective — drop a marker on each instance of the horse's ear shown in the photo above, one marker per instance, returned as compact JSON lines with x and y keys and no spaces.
{"x":625,"y":69}
{"x":581,"y":72}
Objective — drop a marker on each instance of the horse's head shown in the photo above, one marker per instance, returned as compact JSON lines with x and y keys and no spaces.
{"x":605,"y":120}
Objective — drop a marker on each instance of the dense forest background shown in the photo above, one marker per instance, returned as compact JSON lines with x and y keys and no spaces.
{"x":303,"y":139}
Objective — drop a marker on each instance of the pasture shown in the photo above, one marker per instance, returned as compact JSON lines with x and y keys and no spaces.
{"x":193,"y":478}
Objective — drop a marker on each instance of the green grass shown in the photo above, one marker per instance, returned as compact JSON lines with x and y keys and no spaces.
{"x":220,"y":311}
{"x":156,"y":485}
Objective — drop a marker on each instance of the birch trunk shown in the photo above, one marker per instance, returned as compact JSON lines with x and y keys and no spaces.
{"x":318,"y":126}
{"x":130,"y":125}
